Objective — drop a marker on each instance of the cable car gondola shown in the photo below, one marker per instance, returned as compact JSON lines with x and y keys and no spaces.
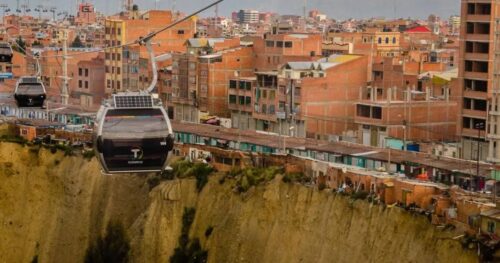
{"x":133,"y":135}
{"x":132,"y":132}
{"x":30,"y":92}
{"x":5,"y":52}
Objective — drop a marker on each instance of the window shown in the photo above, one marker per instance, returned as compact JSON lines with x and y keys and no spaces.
{"x":86,"y":72}
{"x":232,"y":99}
{"x":380,"y":40}
{"x":248,"y":101}
{"x":113,"y":56}
{"x":233,"y":84}
{"x":279,"y":44}
{"x":108,"y":84}
{"x":272,"y":94}
{"x":180,"y":32}
{"x":467,"y":104}
{"x":491,"y":226}
{"x":107,"y":56}
{"x":480,"y":105}
{"x":80,"y":71}
{"x":118,"y":71}
{"x":118,"y":57}
{"x":269,"y":43}
{"x":80,"y":84}
{"x":387,"y":40}
{"x":377,"y":113}
{"x":241,"y":100}
{"x":288,"y":44}
{"x":363,"y":111}
{"x":394,"y":40}
{"x":264,"y":108}
{"x":118,"y":84}
{"x":107,"y":69}
{"x":86,"y":84}
{"x":119,"y":31}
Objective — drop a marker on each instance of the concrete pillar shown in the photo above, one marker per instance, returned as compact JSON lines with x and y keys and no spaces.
{"x":389,"y":95}
{"x":427,"y":94}
{"x":374,"y":91}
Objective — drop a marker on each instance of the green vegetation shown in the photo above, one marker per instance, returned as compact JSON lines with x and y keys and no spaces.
{"x":209,"y":231}
{"x":88,"y":154}
{"x":296,"y":178}
{"x":184,"y":169}
{"x":112,"y":248}
{"x":361,"y":195}
{"x":188,"y":250}
{"x":14,"y":139}
{"x":248,"y":177}
{"x":77,"y":43}
{"x":201,"y":171}
{"x":21,"y":45}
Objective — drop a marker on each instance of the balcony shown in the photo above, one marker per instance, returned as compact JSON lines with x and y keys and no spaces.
{"x":477,"y":56}
{"x":369,"y":121}
{"x":472,"y":133}
{"x":478,"y":18}
{"x":265,"y":117}
{"x":474,"y":113}
{"x":476,"y":75}
{"x":475,"y":94}
{"x":477,"y":37}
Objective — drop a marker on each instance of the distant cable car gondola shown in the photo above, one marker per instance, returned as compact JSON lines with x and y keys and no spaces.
{"x":30,"y":92}
{"x":5,"y":52}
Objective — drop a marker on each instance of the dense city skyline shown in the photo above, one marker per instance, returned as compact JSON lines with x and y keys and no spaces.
{"x":350,"y":9}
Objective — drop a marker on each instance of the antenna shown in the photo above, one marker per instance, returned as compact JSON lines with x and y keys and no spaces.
{"x":174,"y":3}
{"x":216,"y":11}
{"x":305,"y":10}
{"x":65,"y":89}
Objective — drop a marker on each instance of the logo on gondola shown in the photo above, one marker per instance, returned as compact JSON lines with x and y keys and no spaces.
{"x":138,"y":153}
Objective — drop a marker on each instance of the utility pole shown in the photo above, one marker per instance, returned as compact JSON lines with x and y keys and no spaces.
{"x":479,"y":126}
{"x":65,"y":91}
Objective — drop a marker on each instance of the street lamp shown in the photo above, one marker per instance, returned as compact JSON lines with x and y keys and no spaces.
{"x":478,"y":126}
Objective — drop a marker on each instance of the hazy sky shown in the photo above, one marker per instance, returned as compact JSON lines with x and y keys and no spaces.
{"x":339,"y":9}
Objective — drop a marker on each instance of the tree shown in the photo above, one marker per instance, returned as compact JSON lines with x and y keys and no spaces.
{"x":112,"y":248}
{"x":37,"y":43}
{"x":21,"y":45}
{"x":77,"y":42}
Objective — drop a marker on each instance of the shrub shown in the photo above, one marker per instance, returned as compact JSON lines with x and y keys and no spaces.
{"x":254,"y":176}
{"x":362,"y":195}
{"x":209,"y":231}
{"x":89,"y":154}
{"x":53,"y":150}
{"x":188,"y":251}
{"x":296,"y":178}
{"x":153,"y":182}
{"x":112,"y":248}
{"x":184,"y":169}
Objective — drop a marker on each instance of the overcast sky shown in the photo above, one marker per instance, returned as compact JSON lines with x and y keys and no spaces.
{"x":339,"y":9}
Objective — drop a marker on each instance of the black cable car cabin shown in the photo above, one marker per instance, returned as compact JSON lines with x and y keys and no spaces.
{"x":133,"y":134}
{"x":5,"y":53}
{"x":30,"y":92}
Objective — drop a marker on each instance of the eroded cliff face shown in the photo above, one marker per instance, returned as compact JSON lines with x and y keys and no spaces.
{"x":53,"y":206}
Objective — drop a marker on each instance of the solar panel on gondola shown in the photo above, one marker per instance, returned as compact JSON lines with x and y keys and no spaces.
{"x":133,"y":102}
